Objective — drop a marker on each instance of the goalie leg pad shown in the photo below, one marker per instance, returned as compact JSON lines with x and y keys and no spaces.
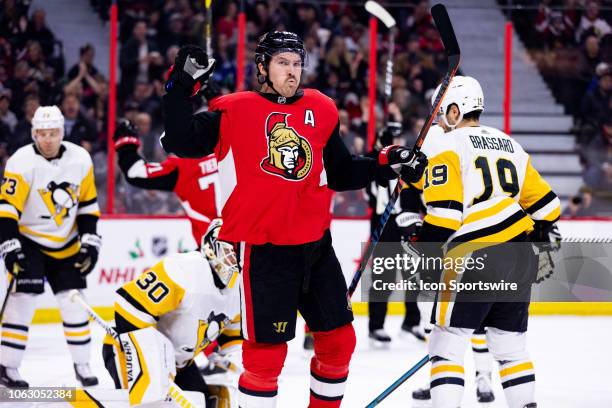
{"x":330,"y":366}
{"x":76,"y":327}
{"x":149,"y":364}
{"x":516,"y":370}
{"x":258,"y":383}
{"x":16,"y":323}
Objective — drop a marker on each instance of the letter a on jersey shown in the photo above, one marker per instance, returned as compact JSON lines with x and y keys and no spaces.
{"x":59,"y":200}
{"x":289,"y":154}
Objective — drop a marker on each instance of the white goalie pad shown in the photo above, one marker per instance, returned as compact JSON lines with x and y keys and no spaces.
{"x":150,"y":365}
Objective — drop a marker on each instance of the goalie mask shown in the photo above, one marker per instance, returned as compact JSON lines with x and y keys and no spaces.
{"x":220,"y":255}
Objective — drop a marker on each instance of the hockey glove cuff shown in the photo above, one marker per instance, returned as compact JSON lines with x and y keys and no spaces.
{"x":126,"y":136}
{"x":14,"y":257}
{"x":87,"y":256}
{"x":191,"y":69}
{"x":398,"y":158}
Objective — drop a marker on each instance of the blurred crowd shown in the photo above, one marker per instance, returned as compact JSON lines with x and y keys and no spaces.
{"x":571,"y":41}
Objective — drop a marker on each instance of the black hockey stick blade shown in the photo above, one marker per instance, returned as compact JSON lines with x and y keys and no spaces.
{"x":445,"y":28}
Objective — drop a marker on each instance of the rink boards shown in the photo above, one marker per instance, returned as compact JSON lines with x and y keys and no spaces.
{"x":131,"y":245}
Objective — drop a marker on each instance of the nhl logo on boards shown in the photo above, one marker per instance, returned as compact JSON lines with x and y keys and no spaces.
{"x":289,"y":154}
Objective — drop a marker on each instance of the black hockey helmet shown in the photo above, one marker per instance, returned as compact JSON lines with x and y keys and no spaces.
{"x":274,"y":42}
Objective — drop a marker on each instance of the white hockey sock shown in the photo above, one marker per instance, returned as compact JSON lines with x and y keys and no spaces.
{"x":447,"y":381}
{"x":482,"y":358}
{"x":76,"y":328}
{"x":16,"y":322}
{"x":518,"y":380}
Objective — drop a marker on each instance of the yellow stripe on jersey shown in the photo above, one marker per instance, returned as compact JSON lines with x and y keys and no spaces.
{"x":133,"y":320}
{"x":53,"y":238}
{"x":88,"y":195}
{"x":536,"y":194}
{"x":155,"y":291}
{"x":443,"y":190}
{"x":10,"y":214}
{"x":488,"y":212}
{"x":14,"y":191}
{"x":64,"y":253}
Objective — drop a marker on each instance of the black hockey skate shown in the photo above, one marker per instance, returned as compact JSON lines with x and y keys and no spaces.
{"x":10,"y":378}
{"x":484,"y":392}
{"x":84,"y":375}
{"x":308,"y":341}
{"x":379,"y":338}
{"x":531,"y":405}
{"x":421,"y":394}
{"x":409,"y":331}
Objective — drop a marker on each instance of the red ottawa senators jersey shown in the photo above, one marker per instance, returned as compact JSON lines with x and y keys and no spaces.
{"x":273,"y":182}
{"x":196,"y":187}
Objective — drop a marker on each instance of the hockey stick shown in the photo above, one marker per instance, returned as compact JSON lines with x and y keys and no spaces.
{"x":398,"y":382}
{"x":451,"y":47}
{"x":6,"y":297}
{"x":174,"y":392}
{"x":383,"y":15}
{"x":207,"y":25}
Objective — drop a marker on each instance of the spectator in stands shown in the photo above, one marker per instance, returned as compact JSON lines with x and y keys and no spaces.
{"x":151,"y":149}
{"x":85,"y":72}
{"x":591,"y":22}
{"x":595,"y":102}
{"x":135,"y":57}
{"x":175,"y":34}
{"x":6,"y":116}
{"x":23,"y":131}
{"x":145,"y":98}
{"x":20,"y":84}
{"x":226,"y":25}
{"x":78,"y":128}
{"x":39,"y":31}
{"x":14,"y":22}
{"x":598,"y":159}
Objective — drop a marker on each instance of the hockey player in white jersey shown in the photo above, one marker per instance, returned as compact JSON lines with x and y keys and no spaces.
{"x":480,"y":188}
{"x":482,"y":357}
{"x":191,"y":299}
{"x":48,"y":219}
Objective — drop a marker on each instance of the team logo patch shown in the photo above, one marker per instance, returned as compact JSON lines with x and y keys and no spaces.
{"x":59,"y":200}
{"x":289,"y":154}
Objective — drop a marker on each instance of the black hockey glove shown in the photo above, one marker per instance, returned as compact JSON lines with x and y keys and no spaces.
{"x":126,"y":136}
{"x":409,"y":224}
{"x":397,"y":158}
{"x":546,"y":240}
{"x":14,"y":258}
{"x":87,"y":256}
{"x":212,"y":90}
{"x":192,"y":68}
{"x":387,"y":134}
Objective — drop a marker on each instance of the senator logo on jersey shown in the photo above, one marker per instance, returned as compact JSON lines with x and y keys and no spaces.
{"x":289,"y":154}
{"x":59,"y":200}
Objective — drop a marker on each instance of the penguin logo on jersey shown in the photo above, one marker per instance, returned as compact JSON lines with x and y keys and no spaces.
{"x":209,"y":329}
{"x":59,"y":199}
{"x":289,"y":154}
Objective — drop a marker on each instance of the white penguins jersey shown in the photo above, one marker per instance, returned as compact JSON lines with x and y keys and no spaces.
{"x":45,"y":196}
{"x":178,"y":296}
{"x":481,"y":184}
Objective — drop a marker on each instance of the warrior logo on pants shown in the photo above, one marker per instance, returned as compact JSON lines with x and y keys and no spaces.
{"x":289,"y":154}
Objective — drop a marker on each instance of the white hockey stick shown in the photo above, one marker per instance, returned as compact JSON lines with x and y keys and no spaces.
{"x":174,"y":392}
{"x":380,"y":13}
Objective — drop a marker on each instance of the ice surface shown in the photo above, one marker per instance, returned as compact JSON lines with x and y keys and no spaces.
{"x":572,"y":356}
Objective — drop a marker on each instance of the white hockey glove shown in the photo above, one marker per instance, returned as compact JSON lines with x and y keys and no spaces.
{"x":546,"y":241}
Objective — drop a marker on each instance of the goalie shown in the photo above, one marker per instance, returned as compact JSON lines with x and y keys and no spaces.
{"x":191,"y":300}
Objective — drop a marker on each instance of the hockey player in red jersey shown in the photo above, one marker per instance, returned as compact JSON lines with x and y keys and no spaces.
{"x":280,"y":156}
{"x":194,"y":181}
